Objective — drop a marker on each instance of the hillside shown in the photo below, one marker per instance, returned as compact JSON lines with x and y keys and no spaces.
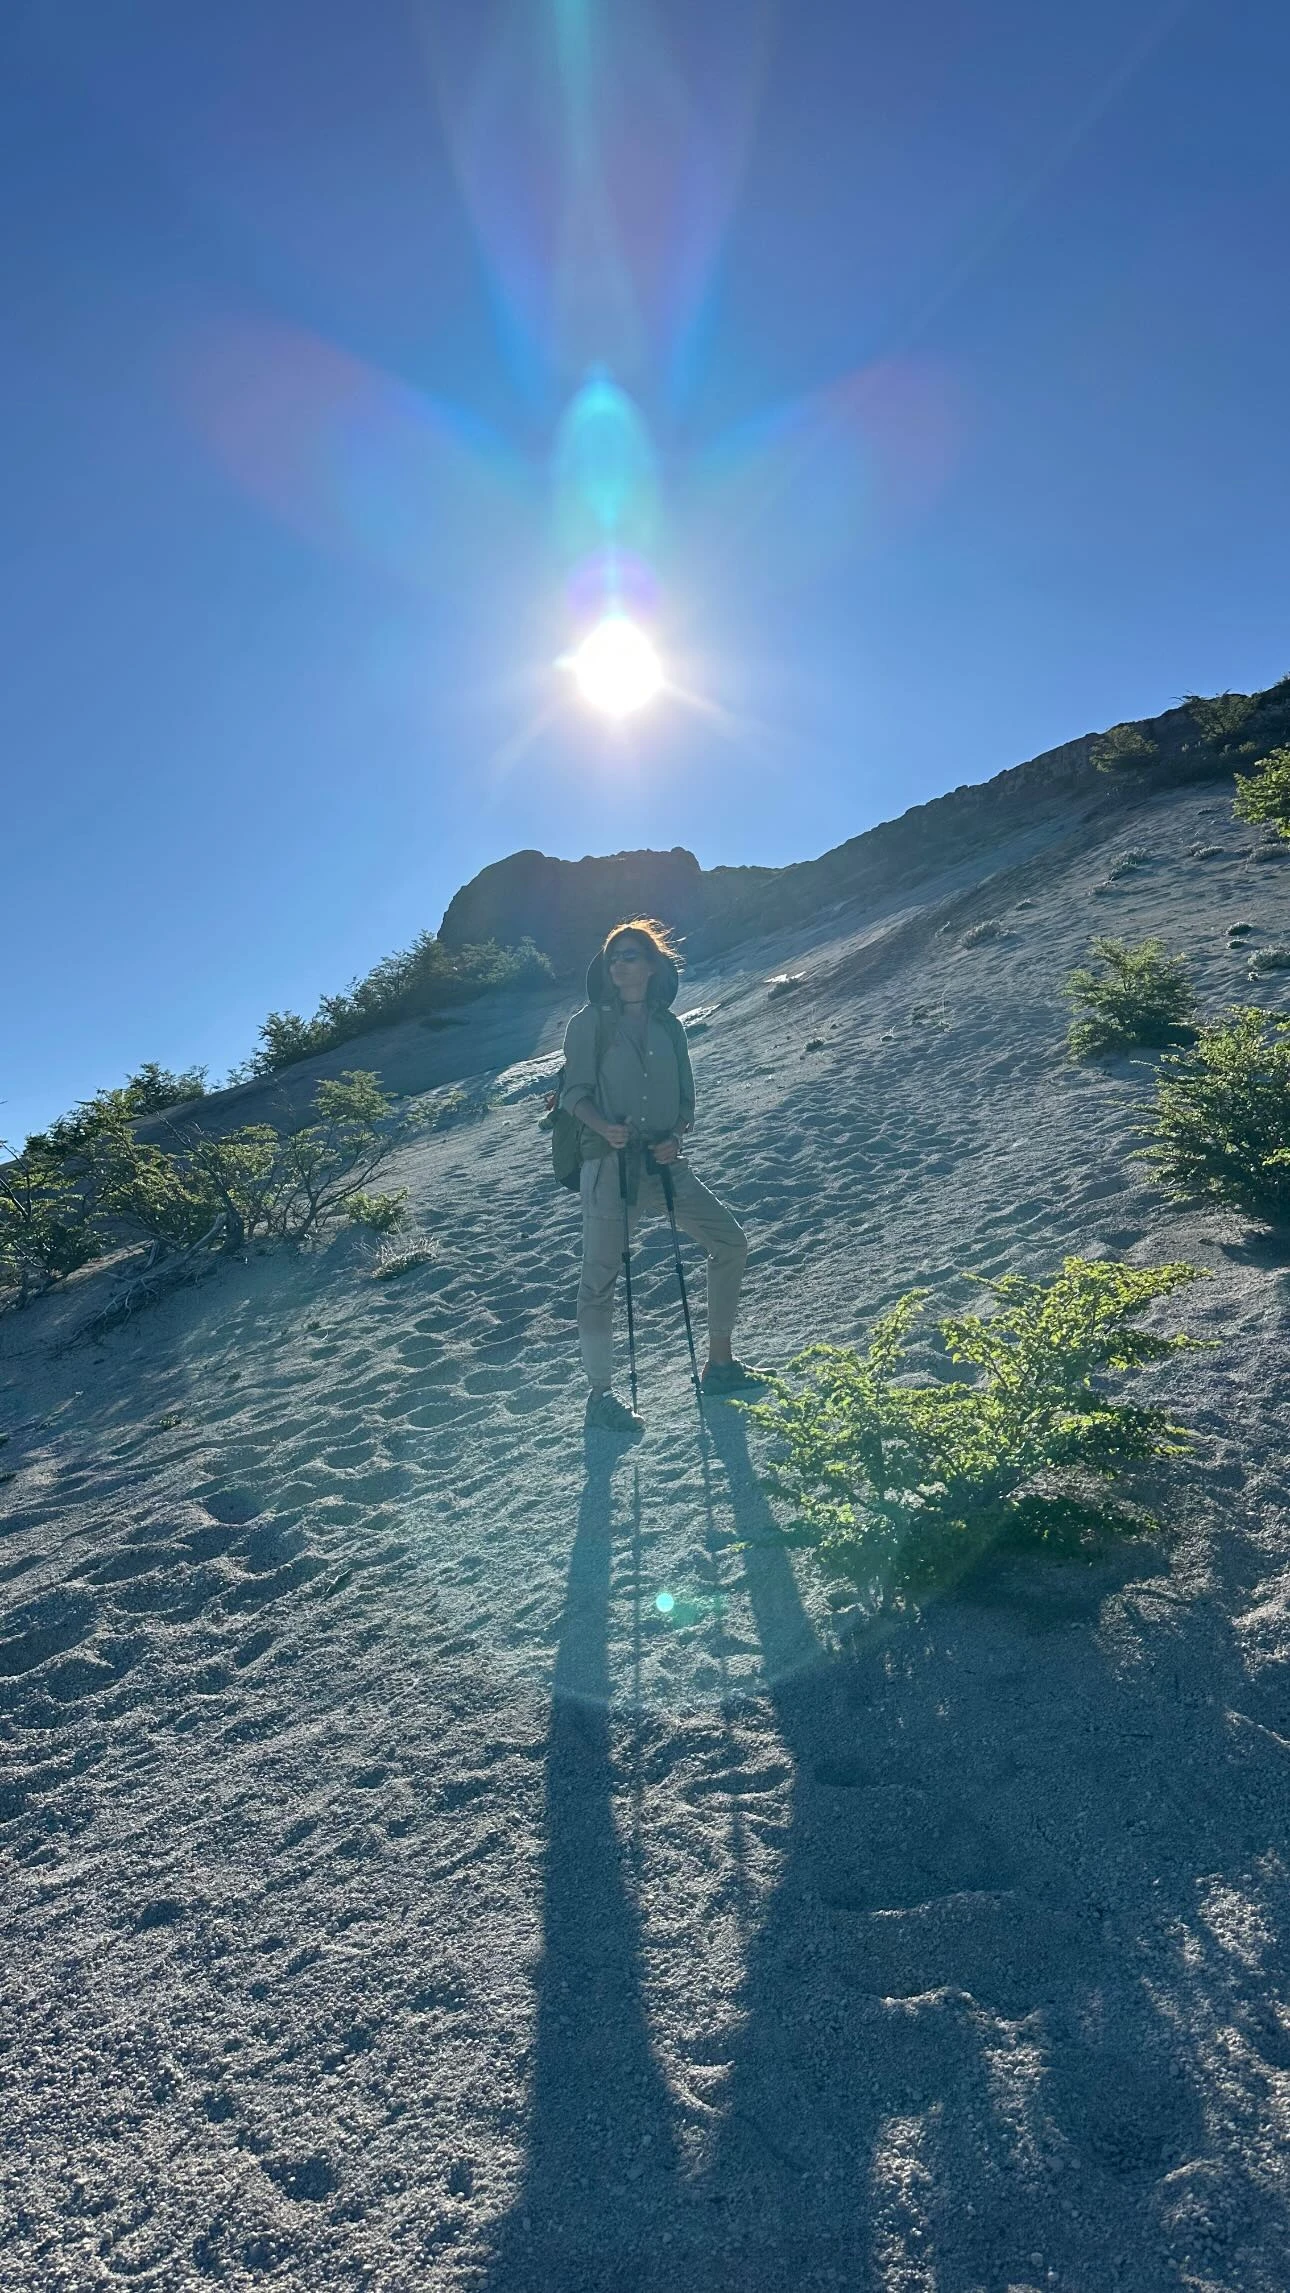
{"x":397,"y":1896}
{"x":566,"y":905}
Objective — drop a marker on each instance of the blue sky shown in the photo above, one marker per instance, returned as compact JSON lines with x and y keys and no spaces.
{"x":958,"y":339}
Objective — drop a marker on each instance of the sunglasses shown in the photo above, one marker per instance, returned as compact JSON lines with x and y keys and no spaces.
{"x":636,"y":958}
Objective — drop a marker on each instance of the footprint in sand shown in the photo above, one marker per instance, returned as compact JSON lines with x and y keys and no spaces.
{"x":47,"y":1627}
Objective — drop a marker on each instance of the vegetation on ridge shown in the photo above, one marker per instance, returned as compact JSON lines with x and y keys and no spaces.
{"x":413,"y":983}
{"x":149,"y":1092}
{"x":1207,"y":736}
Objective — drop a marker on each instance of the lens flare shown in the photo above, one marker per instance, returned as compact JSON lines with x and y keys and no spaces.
{"x":617,"y":668}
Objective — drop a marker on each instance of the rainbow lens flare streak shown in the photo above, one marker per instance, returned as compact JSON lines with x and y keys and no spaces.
{"x":606,"y":515}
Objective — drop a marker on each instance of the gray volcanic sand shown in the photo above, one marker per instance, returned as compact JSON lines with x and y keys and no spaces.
{"x":396,"y":1896}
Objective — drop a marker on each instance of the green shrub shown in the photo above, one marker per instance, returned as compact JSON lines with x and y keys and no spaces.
{"x":379,"y":1213}
{"x":45,"y":1232}
{"x":58,"y":1211}
{"x":1264,"y":796}
{"x":282,"y":1186}
{"x":1267,"y":727}
{"x":138,"y":1192}
{"x":1140,"y":996}
{"x":976,"y":934}
{"x":289,"y":1185}
{"x":1219,"y":718}
{"x":1128,"y":862}
{"x":901,"y":1483}
{"x":1124,"y":748}
{"x":1220,"y":1129}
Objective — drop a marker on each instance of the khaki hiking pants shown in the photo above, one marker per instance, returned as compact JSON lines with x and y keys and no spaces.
{"x":698,"y":1213}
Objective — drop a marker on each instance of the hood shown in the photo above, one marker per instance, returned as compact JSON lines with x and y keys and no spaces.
{"x":663,"y":987}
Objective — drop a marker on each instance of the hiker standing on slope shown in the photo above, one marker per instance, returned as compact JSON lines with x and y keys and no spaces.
{"x":629,"y":1086}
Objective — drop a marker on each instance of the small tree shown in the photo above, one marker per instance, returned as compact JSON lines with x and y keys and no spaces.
{"x":288,"y":1185}
{"x":44,"y":1229}
{"x":899,"y":1482}
{"x":320,"y":1168}
{"x":1221,"y":1120}
{"x":1263,"y":797}
{"x":141,"y":1193}
{"x":1140,"y":996}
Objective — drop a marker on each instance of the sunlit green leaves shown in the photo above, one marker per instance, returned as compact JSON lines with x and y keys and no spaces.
{"x":906,"y":1479}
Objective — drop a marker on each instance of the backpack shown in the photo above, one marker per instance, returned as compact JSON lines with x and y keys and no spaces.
{"x":566,"y":1146}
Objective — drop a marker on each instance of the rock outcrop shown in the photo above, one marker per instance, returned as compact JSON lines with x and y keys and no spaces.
{"x":567,"y":906}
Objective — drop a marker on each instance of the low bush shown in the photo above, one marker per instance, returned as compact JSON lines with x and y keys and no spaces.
{"x":976,"y":934}
{"x":896,"y":1483}
{"x":379,"y":1213}
{"x":1128,"y":862}
{"x":1263,"y":797}
{"x":1124,"y":748}
{"x":1220,"y":1125}
{"x":58,"y":1211}
{"x":288,"y":1185}
{"x":1219,"y":718}
{"x":1141,"y":995}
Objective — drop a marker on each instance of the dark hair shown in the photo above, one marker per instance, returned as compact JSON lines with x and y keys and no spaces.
{"x":658,"y":940}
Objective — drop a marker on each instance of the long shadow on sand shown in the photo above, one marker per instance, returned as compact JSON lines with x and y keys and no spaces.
{"x":1012,"y":2010}
{"x":599,"y":2102}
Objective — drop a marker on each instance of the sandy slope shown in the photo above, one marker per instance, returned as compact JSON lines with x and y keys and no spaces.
{"x":394,"y":1896}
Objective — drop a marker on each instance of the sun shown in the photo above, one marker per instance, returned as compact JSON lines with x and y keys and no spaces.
{"x":617,"y":668}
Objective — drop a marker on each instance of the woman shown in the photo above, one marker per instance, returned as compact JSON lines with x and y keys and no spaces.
{"x":628,"y":1083}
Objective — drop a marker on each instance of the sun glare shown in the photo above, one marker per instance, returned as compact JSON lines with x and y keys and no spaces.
{"x":617,"y":668}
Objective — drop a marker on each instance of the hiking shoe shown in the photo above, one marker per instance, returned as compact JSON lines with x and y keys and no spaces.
{"x":724,"y":1378}
{"x":607,"y":1414}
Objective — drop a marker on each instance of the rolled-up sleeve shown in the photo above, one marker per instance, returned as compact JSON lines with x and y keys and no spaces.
{"x":579,"y":1058}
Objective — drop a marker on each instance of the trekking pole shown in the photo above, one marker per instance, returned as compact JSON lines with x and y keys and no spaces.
{"x":669,"y":1198}
{"x":627,"y":1268}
